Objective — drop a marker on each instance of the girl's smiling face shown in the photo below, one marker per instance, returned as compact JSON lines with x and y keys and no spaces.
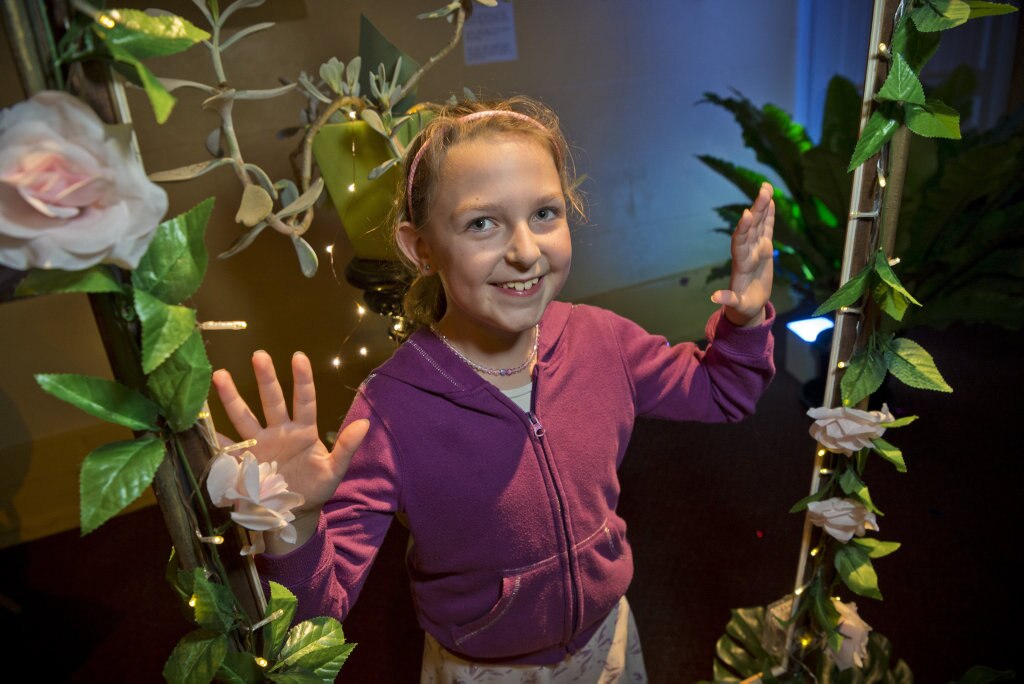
{"x":497,"y":236}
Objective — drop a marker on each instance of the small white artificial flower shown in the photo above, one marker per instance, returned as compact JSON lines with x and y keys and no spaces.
{"x":854,"y":648}
{"x":258,"y":494}
{"x":845,"y":430}
{"x":842,"y":518}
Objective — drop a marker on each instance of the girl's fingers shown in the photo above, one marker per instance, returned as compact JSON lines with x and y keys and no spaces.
{"x":725,"y":298}
{"x":348,"y":442}
{"x":275,"y":411}
{"x":303,"y":390}
{"x":238,"y":411}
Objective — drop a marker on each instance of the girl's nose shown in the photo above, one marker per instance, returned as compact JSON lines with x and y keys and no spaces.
{"x":523,"y":249}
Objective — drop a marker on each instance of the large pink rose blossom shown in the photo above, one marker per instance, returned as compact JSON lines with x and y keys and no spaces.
{"x":70,"y":195}
{"x":854,"y":648}
{"x":258,"y":494}
{"x":842,"y":518}
{"x":845,"y":430}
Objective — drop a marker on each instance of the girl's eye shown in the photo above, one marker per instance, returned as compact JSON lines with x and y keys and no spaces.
{"x":547,"y":213}
{"x":480,"y":224}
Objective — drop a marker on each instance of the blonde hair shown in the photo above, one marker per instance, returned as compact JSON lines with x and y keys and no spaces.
{"x":424,"y":301}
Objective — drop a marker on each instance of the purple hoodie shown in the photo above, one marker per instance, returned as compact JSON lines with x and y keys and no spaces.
{"x":517,"y":551}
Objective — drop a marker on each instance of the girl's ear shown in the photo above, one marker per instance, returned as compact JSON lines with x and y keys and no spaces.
{"x":413,"y":246}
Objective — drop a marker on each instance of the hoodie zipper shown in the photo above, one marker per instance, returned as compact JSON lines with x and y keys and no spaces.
{"x":538,"y":431}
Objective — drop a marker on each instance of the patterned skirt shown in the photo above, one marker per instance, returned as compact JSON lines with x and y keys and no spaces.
{"x":612,"y":656}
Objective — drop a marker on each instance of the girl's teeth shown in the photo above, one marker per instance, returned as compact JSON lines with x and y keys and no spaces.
{"x":520,"y":286}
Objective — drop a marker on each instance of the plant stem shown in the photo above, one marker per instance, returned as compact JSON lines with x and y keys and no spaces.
{"x":358,"y":103}
{"x":200,"y":502}
{"x":899,"y":153}
{"x":218,"y":63}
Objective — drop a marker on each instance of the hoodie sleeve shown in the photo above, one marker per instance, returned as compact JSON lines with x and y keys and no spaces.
{"x":327,"y":573}
{"x":719,"y":384}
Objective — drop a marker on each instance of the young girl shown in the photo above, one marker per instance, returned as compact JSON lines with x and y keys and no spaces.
{"x":495,"y":431}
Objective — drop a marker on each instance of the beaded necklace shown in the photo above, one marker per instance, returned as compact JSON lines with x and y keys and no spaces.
{"x":487,"y":369}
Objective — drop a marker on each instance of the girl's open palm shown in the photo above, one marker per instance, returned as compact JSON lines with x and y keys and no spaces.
{"x":293,"y":441}
{"x":752,"y":269}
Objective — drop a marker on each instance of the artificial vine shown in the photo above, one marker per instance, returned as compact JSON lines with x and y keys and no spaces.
{"x":813,"y":635}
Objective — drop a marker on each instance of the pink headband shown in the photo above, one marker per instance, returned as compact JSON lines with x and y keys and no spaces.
{"x":468,"y":117}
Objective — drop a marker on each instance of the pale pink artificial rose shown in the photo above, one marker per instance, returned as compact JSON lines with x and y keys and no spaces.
{"x":70,"y":195}
{"x":854,"y":648}
{"x":842,"y":518}
{"x":258,"y":494}
{"x":846,"y":430}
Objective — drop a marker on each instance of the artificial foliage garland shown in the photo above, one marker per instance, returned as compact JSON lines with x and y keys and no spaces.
{"x":831,"y":642}
{"x":165,"y":375}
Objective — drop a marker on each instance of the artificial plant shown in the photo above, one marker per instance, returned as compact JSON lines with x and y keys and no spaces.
{"x":961,"y":238}
{"x":812,"y":634}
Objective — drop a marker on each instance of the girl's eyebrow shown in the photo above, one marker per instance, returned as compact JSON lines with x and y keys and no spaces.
{"x":489,"y":207}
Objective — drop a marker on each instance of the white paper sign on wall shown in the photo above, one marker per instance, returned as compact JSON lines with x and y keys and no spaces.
{"x":490,"y":35}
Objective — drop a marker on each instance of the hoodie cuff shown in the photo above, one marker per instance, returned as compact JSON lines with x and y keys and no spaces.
{"x":302,"y":563}
{"x":744,"y":341}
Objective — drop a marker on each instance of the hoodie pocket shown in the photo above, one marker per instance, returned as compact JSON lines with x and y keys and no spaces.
{"x":606,"y":569}
{"x":526,"y":618}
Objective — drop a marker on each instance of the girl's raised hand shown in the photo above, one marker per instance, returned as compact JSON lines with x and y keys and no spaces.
{"x":750,"y":285}
{"x":293,"y":441}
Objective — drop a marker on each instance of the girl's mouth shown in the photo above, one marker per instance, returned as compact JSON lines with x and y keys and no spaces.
{"x":519,"y":285}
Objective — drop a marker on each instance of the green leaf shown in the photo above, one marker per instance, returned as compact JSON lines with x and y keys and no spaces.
{"x":175,"y":261}
{"x":980,"y":8}
{"x":890,"y":453}
{"x":916,"y":47}
{"x":854,"y":566}
{"x":256,"y":205}
{"x":939,"y":15}
{"x":303,"y":201}
{"x":114,"y":475}
{"x":308,"y":261}
{"x":863,"y":376}
{"x":55,"y":281}
{"x":239,"y":668}
{"x":810,"y":498}
{"x":877,"y":132}
{"x":160,"y":99}
{"x":825,"y":614}
{"x":102,"y":398}
{"x":243,"y":242}
{"x":776,"y":139}
{"x":901,"y":85}
{"x":173,"y":577}
{"x":933,"y":120}
{"x":749,"y":182}
{"x":850,"y":293}
{"x":856,"y":488}
{"x":277,"y":629}
{"x":164,"y":328}
{"x":143,"y":36}
{"x":875,"y":548}
{"x":893,"y":303}
{"x":180,"y":385}
{"x":294,"y":677}
{"x":914,"y":366}
{"x":372,"y":118}
{"x":735,"y":656}
{"x":840,"y":119}
{"x":899,"y":422}
{"x":979,"y":674}
{"x":316,"y":645}
{"x":214,"y":603}
{"x":197,"y":658}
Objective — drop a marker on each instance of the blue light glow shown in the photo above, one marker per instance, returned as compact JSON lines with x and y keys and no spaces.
{"x":809,"y":328}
